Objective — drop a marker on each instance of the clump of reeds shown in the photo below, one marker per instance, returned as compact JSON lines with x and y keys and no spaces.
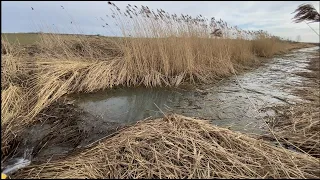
{"x":9,"y":70}
{"x":17,"y":68}
{"x":11,"y":103}
{"x":179,"y":147}
{"x":184,"y":44}
{"x":298,"y":126}
{"x":12,"y":106}
{"x":76,"y":46}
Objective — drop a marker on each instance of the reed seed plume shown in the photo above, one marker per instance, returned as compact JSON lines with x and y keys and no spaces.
{"x":306,"y":12}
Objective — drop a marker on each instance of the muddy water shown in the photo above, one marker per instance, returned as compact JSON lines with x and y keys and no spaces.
{"x":235,"y":103}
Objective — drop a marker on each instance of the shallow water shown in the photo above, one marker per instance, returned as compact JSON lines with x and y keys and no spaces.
{"x":233,"y":103}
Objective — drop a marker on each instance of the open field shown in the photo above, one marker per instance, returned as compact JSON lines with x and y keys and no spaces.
{"x":22,"y":38}
{"x":40,"y":72}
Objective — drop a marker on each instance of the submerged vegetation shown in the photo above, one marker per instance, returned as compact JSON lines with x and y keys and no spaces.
{"x":158,"y":49}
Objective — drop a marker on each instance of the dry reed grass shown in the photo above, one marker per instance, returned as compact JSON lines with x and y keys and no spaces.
{"x":179,"y":147}
{"x":268,"y":47}
{"x":51,"y":76}
{"x":9,"y":70}
{"x":76,"y":46}
{"x":299,"y":125}
{"x":10,"y":64}
{"x":11,"y":103}
{"x":163,"y":52}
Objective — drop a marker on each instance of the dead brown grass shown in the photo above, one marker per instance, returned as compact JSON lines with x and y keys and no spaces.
{"x":11,"y":103}
{"x":10,"y":67}
{"x":179,"y":147}
{"x":12,"y":107}
{"x":160,"y":53}
{"x":148,"y":62}
{"x":298,"y":125}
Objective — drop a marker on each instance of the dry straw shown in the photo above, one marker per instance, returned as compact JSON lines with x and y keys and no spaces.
{"x":159,"y":49}
{"x":299,"y":125}
{"x":179,"y":147}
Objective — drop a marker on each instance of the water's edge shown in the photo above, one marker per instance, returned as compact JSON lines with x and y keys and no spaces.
{"x":235,"y":102}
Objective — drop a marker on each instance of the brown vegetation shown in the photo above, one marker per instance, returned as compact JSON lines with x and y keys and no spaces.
{"x":154,"y":52}
{"x":179,"y":147}
{"x":298,"y":125}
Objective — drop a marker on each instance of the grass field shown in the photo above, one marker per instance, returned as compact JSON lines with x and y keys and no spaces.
{"x":30,"y":38}
{"x":22,"y":38}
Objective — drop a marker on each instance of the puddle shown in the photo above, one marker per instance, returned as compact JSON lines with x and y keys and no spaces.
{"x":227,"y":104}
{"x":129,"y":105}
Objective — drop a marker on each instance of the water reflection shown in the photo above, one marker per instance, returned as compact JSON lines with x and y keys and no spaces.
{"x":129,"y":105}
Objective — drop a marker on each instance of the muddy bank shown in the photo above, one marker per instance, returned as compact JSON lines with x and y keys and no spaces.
{"x":61,"y":129}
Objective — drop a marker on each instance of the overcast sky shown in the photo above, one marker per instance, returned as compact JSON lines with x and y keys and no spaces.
{"x":274,"y":17}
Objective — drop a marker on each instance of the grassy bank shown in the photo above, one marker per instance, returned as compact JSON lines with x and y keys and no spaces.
{"x":179,"y":147}
{"x":156,"y":50}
